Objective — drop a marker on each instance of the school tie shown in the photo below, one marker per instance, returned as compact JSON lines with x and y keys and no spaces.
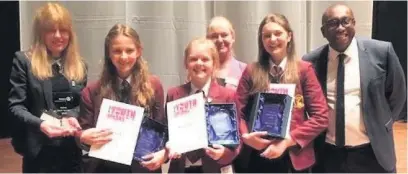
{"x":340,"y":135}
{"x":56,"y":68}
{"x":124,"y":90}
{"x":276,"y":73}
{"x":194,"y":156}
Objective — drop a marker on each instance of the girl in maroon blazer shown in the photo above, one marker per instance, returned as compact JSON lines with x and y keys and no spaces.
{"x":125,"y":78}
{"x":278,"y":63}
{"x":201,"y":61}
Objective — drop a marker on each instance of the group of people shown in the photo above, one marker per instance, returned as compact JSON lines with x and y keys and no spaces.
{"x":348,"y":94}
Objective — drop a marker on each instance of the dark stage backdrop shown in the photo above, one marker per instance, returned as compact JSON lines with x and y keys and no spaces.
{"x":9,"y":43}
{"x":390,"y":24}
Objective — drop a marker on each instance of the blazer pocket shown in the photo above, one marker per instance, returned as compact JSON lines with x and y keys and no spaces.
{"x":389,"y":124}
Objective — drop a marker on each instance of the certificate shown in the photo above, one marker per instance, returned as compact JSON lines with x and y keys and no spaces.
{"x":186,"y":123}
{"x":124,"y":120}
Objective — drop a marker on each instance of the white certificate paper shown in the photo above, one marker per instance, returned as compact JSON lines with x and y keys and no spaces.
{"x":54,"y":121}
{"x":124,"y":120}
{"x":187,"y":123}
{"x":288,"y":89}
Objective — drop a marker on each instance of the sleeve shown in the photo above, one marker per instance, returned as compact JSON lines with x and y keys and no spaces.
{"x":395,"y":85}
{"x":86,"y":115}
{"x":315,"y":105}
{"x":17,"y":101}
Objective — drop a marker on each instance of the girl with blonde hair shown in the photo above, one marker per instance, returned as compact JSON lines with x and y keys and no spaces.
{"x":201,"y":60}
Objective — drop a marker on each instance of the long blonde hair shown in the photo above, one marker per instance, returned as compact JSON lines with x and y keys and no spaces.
{"x":260,"y":70}
{"x":47,"y":17}
{"x":142,"y":92}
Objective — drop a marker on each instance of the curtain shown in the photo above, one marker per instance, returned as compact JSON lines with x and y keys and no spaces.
{"x":165,"y":27}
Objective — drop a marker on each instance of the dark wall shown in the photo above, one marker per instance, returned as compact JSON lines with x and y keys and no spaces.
{"x":390,"y":24}
{"x":9,"y":43}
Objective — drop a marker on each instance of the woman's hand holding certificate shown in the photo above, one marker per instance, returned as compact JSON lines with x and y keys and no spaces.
{"x":95,"y":136}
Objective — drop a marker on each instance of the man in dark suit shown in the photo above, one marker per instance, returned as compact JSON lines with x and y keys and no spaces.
{"x":365,"y":93}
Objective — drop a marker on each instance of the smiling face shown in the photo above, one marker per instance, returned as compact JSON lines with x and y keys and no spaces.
{"x":221,"y":33}
{"x":338,"y":27}
{"x":199,"y":63}
{"x":275,"y":40}
{"x":124,"y":53}
{"x":56,"y":40}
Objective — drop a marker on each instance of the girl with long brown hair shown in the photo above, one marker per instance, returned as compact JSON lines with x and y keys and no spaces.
{"x":125,"y":78}
{"x":278,"y":63}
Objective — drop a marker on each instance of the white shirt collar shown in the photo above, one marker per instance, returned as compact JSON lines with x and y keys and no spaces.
{"x":128,"y":79}
{"x":352,"y":48}
{"x":282,"y":63}
{"x":205,"y":88}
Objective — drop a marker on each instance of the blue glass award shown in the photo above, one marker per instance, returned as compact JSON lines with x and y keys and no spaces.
{"x":152,"y":138}
{"x":222,"y":125}
{"x":271,"y":113}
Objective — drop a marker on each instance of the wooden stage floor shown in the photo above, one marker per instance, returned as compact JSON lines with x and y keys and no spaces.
{"x":10,"y":162}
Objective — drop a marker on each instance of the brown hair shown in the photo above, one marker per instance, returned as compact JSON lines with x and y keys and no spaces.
{"x":260,"y":70}
{"x":142,"y":92}
{"x":49,"y":16}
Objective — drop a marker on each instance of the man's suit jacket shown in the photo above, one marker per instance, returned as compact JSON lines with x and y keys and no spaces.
{"x":217,"y":94}
{"x":308,"y":97}
{"x":91,"y":101}
{"x":28,"y":98}
{"x":383,"y":91}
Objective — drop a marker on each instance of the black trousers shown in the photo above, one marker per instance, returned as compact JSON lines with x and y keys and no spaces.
{"x":112,"y":167}
{"x":64,"y":158}
{"x":194,"y":169}
{"x":283,"y":164}
{"x":360,"y":159}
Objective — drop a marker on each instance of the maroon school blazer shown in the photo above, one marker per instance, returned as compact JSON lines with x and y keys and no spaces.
{"x":309,"y":97}
{"x":217,"y":94}
{"x":89,"y":111}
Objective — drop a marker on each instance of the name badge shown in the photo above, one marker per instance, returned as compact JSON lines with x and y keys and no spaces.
{"x":231,"y":81}
{"x":227,"y":169}
{"x":73,"y":83}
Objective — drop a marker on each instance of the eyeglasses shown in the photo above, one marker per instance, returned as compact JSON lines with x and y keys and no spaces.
{"x":334,"y":23}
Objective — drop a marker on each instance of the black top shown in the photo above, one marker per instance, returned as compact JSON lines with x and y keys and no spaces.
{"x":28,"y":98}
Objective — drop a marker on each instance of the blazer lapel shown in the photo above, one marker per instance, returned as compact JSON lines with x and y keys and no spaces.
{"x":213,"y":92}
{"x":184,"y":91}
{"x":322,"y":70}
{"x":47,"y":91}
{"x":365,"y":67}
